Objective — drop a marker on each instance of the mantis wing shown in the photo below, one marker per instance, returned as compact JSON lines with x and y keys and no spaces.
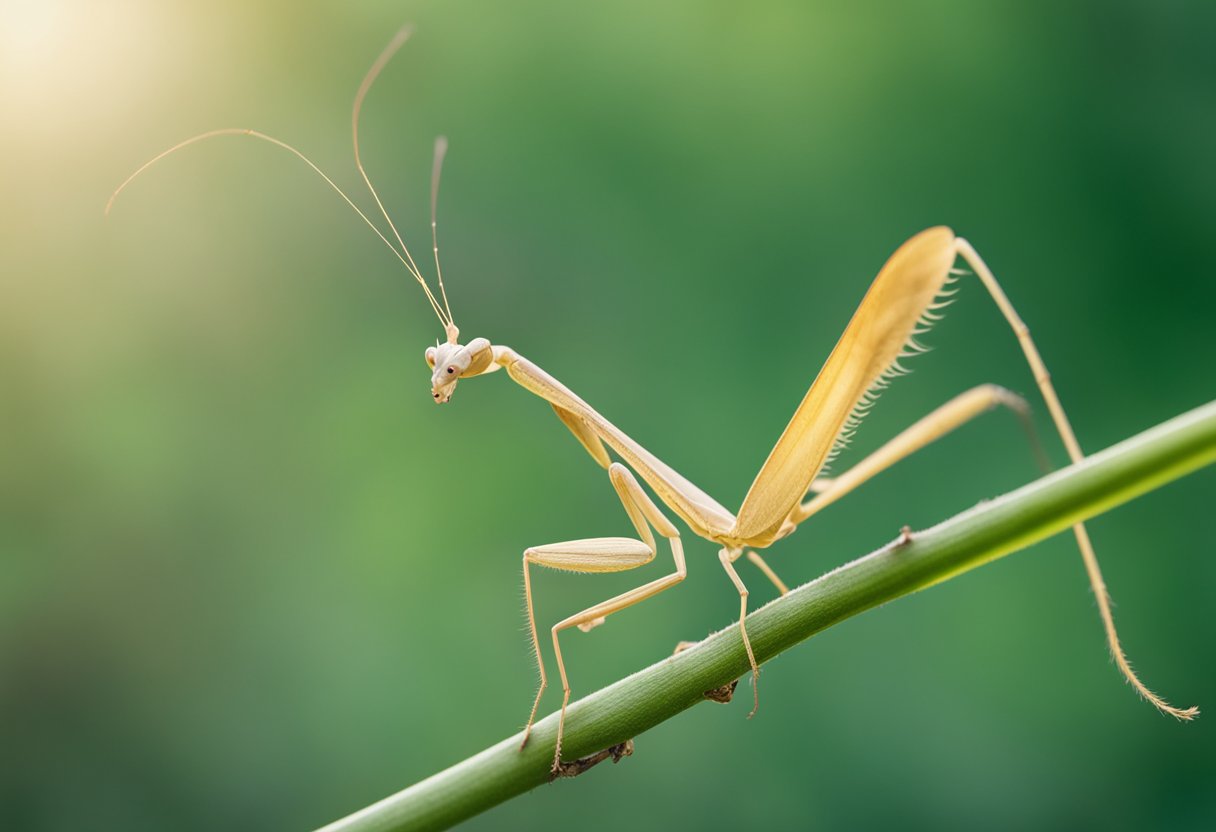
{"x":863,"y":358}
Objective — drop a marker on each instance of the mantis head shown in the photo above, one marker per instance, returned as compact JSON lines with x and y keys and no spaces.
{"x":453,"y":361}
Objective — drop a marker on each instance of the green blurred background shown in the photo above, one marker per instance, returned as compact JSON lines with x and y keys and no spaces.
{"x":253,"y":579}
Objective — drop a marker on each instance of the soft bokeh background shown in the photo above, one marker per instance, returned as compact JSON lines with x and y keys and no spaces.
{"x":253,"y":579}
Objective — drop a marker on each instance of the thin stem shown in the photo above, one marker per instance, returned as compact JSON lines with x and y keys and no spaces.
{"x":629,"y":707}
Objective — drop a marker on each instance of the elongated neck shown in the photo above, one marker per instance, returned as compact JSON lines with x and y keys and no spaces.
{"x":703,"y":514}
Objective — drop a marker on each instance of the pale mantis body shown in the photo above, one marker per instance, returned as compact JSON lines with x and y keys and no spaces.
{"x":900,"y":305}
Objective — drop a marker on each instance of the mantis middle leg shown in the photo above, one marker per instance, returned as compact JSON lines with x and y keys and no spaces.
{"x":728,"y":558}
{"x":601,"y":554}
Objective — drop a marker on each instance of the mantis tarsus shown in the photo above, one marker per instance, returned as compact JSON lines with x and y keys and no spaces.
{"x":902,"y":303}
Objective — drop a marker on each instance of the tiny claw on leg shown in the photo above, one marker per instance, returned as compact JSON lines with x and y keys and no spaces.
{"x":905,"y":536}
{"x":576,"y":767}
{"x":722,"y":694}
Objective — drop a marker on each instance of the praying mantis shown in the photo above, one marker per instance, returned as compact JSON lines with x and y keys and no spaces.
{"x":903,"y":303}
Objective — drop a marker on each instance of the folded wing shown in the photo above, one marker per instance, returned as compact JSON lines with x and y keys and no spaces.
{"x":866,"y":355}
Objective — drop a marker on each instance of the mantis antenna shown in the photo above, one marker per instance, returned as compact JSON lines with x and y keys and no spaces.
{"x":441,"y":150}
{"x":372,"y":74}
{"x":442,"y":313}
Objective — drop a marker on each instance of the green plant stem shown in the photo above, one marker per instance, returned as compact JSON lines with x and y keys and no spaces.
{"x":632,"y":705}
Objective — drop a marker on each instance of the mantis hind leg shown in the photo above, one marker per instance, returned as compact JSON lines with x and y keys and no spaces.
{"x":1060,"y":419}
{"x":950,"y":416}
{"x":602,"y":554}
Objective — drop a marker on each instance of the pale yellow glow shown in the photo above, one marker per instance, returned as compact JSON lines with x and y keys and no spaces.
{"x":68,"y":63}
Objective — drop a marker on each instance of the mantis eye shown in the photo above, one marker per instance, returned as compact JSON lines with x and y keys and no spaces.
{"x":451,"y":370}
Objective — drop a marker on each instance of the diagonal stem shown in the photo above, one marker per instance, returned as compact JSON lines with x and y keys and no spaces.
{"x":632,"y":705}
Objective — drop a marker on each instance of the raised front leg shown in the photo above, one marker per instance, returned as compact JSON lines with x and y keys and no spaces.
{"x":601,"y":554}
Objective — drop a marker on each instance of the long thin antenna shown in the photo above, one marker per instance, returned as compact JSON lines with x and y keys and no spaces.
{"x":243,"y":131}
{"x":441,"y":150}
{"x":400,"y":38}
